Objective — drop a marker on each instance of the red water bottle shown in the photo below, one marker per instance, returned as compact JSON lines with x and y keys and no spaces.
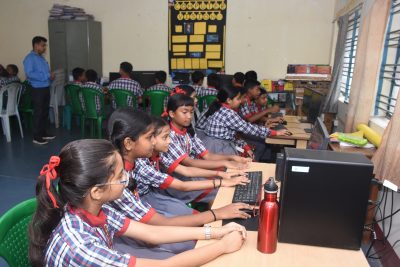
{"x":268,"y":224}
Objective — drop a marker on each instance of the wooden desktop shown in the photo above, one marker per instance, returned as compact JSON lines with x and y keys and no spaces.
{"x":286,"y":254}
{"x":298,"y":138}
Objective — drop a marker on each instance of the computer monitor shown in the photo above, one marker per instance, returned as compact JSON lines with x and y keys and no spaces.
{"x":180,"y":77}
{"x":324,"y":198}
{"x":319,"y":138}
{"x":313,"y":101}
{"x":113,"y":76}
{"x":144,"y":78}
{"x":225,"y":80}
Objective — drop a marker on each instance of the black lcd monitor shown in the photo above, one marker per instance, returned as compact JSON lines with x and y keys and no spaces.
{"x":225,"y":80}
{"x":144,"y":78}
{"x":180,"y":78}
{"x":319,"y":138}
{"x":313,"y":101}
{"x":113,"y":76}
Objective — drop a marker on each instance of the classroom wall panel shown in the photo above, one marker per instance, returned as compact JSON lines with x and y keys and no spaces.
{"x":264,"y":35}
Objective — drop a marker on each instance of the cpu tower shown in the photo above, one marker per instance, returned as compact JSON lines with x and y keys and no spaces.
{"x":324,"y":198}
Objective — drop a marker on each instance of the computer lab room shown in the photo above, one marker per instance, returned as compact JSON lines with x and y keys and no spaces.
{"x":200,"y":133}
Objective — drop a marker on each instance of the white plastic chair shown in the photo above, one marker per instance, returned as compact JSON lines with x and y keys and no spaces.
{"x":13,"y":94}
{"x":57,"y":94}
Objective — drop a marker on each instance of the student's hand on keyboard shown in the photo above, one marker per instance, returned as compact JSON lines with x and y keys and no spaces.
{"x":231,"y":174}
{"x":242,"y":180}
{"x":271,"y":124}
{"x":228,"y":228}
{"x":232,"y":211}
{"x":236,"y":165}
{"x":240,"y":159}
{"x":283,"y":132}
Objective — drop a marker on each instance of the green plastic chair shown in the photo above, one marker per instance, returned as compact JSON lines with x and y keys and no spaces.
{"x":157,"y":98}
{"x":73,"y":107}
{"x":90,"y":112}
{"x":14,"y":233}
{"x":120,"y":97}
{"x":25,"y":104}
{"x":206,"y":101}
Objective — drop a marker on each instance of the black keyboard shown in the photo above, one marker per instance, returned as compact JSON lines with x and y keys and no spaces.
{"x":279,"y":127}
{"x":248,"y":193}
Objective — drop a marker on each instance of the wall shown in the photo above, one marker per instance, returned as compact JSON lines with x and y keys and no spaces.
{"x":264,"y":35}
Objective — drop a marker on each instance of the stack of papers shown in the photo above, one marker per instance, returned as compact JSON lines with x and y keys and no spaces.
{"x":68,"y":13}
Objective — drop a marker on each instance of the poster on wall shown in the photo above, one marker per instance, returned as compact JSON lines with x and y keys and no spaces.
{"x":196,"y":36}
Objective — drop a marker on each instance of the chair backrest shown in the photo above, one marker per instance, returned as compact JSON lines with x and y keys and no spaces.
{"x":205,"y":101}
{"x":156,"y":101}
{"x":89,"y":96}
{"x":14,"y":233}
{"x":73,"y":91}
{"x":120,"y":96}
{"x":13,"y":91}
{"x":25,"y":103}
{"x":57,"y":96}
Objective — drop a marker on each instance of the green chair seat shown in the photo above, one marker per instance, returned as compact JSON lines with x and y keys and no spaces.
{"x":156,"y":98}
{"x":14,"y":233}
{"x":205,"y":101}
{"x":90,"y":112}
{"x":74,"y":106}
{"x":120,"y":96}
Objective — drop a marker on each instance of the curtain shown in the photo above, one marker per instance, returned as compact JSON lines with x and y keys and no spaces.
{"x":387,"y":158}
{"x":374,"y":16}
{"x":331,"y":102}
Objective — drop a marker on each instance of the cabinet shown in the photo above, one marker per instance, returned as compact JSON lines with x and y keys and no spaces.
{"x":75,"y":43}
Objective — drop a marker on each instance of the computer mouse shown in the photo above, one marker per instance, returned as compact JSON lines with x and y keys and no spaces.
{"x":284,"y":122}
{"x":289,"y":133}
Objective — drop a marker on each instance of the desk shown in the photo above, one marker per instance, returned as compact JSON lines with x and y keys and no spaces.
{"x":299,"y":137}
{"x":286,"y":254}
{"x":368,"y":152}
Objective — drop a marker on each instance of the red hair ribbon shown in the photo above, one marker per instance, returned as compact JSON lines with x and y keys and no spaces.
{"x":51,"y":174}
{"x":178,"y":90}
{"x":164,"y":114}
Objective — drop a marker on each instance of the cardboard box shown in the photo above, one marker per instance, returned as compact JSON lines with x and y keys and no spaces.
{"x":267,"y":84}
{"x":324,"y":69}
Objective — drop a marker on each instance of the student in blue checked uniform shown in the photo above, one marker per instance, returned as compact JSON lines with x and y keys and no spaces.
{"x":223,"y":123}
{"x":129,"y":131}
{"x":188,"y":150}
{"x":72,"y":227}
{"x":152,"y":181}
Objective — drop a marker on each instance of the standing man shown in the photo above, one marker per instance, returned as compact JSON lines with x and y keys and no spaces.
{"x":38,"y":72}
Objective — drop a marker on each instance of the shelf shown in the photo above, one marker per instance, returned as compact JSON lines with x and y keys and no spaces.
{"x":309,"y":77}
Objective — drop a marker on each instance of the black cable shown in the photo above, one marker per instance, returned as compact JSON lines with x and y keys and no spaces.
{"x":391,"y":218}
{"x":385,"y":191}
{"x":378,"y":258}
{"x":384,"y":218}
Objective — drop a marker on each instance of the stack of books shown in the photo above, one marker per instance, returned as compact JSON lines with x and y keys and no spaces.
{"x":68,"y":13}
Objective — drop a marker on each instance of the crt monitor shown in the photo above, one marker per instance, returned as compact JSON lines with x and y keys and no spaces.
{"x":319,"y":138}
{"x":144,"y":78}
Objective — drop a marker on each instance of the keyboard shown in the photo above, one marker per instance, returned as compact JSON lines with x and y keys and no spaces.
{"x":248,"y":193}
{"x":279,"y":127}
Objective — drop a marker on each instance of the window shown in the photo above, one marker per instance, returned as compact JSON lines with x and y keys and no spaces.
{"x":349,"y":54}
{"x":389,"y":78}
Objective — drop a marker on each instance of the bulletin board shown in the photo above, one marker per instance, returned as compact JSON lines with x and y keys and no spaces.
{"x":196,"y":35}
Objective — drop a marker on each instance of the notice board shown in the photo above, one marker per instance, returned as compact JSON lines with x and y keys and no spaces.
{"x":196,"y":35}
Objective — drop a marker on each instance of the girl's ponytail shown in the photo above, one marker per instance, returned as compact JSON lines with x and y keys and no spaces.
{"x":48,"y":212}
{"x":223,"y":95}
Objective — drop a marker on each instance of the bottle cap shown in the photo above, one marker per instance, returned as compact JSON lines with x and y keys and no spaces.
{"x":270,"y":186}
